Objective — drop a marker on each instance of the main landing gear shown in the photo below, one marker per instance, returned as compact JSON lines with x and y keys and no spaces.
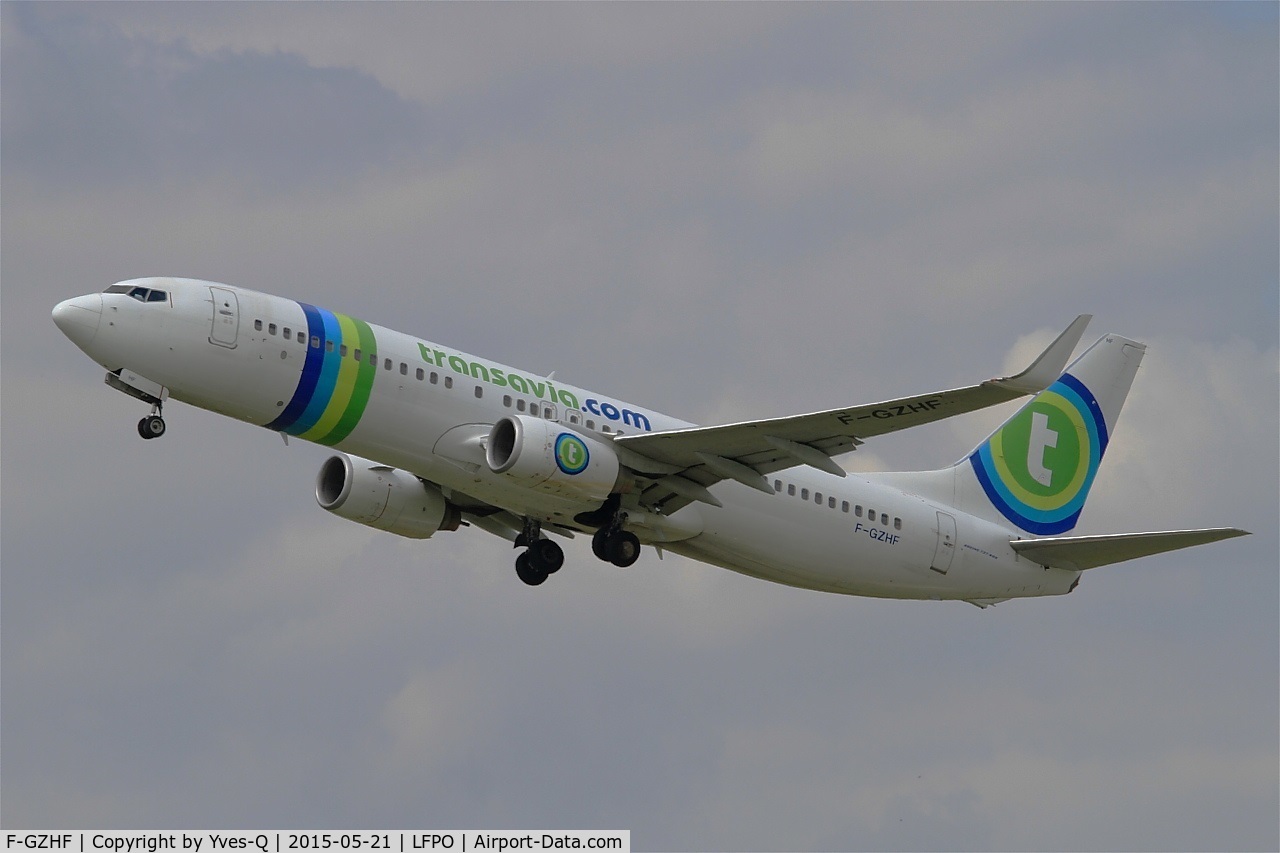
{"x":615,"y":545}
{"x":152,"y":426}
{"x":611,"y":543}
{"x":541,"y":558}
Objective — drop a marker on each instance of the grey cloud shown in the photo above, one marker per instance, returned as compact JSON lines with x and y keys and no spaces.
{"x":91,"y":104}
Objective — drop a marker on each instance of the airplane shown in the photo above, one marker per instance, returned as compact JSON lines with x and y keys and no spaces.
{"x":430,"y":438}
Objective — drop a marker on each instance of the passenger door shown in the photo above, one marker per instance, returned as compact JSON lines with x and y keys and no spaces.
{"x":226,"y":318}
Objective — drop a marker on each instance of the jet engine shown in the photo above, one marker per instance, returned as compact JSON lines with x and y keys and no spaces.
{"x":386,"y":498}
{"x":552,"y":458}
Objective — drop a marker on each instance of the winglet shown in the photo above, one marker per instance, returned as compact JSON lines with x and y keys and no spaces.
{"x":1046,"y":369}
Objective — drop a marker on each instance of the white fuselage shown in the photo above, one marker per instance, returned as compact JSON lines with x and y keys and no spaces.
{"x":426,"y":409}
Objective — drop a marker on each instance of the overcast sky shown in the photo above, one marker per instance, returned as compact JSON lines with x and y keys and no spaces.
{"x":719,"y":211}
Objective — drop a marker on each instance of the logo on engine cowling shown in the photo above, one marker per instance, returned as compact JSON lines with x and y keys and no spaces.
{"x":571,"y":454}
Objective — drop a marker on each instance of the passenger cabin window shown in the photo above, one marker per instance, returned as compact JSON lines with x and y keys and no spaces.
{"x":421,"y":374}
{"x":804,"y":494}
{"x":479,"y":392}
{"x":520,"y":405}
{"x":288,"y":333}
{"x":257,"y":325}
{"x":404,"y":369}
{"x":302,"y":337}
{"x":315,"y":342}
{"x":791,"y":489}
{"x":328,"y":346}
{"x":897,"y":523}
{"x":271,"y":328}
{"x":448,"y":382}
{"x":844,"y":506}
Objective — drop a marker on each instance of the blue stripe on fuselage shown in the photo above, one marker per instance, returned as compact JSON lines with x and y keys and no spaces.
{"x":331,"y":362}
{"x":310,"y":373}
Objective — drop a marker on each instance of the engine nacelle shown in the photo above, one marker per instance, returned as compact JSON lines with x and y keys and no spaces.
{"x":552,"y":458}
{"x":382,"y":497}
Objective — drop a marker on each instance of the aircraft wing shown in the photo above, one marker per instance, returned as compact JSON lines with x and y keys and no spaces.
{"x":1088,"y":552}
{"x":689,"y":460}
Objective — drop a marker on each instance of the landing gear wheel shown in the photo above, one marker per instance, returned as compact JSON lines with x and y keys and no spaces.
{"x":598,"y":546}
{"x":622,"y":548}
{"x":152,"y":426}
{"x":527,"y":572}
{"x":546,"y":555}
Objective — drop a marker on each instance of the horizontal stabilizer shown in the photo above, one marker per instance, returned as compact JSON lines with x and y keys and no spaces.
{"x":1088,"y":552}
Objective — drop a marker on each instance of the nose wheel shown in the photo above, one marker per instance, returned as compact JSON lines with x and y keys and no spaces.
{"x":152,"y":426}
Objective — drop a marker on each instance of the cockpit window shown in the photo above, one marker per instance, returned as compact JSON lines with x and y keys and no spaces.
{"x":142,"y":294}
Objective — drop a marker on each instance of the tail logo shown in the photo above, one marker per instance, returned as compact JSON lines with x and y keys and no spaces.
{"x":1038,"y":467}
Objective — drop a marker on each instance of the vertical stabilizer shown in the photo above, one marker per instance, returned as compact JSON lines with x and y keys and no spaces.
{"x":1036,"y":470}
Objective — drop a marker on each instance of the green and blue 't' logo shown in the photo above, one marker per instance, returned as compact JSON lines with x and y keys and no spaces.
{"x":1038,"y":467}
{"x":571,"y":453}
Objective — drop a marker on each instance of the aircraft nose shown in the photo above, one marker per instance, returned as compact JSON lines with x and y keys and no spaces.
{"x":78,"y":318}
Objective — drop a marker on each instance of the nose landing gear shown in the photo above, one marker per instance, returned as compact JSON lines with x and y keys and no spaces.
{"x":152,"y":426}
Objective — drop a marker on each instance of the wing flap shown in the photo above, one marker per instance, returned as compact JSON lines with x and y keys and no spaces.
{"x":1077,"y":553}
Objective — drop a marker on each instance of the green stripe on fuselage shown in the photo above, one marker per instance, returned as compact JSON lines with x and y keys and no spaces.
{"x":361,"y":380}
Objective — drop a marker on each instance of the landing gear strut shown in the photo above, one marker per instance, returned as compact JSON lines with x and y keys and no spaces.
{"x":152,"y":426}
{"x":541,"y":558}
